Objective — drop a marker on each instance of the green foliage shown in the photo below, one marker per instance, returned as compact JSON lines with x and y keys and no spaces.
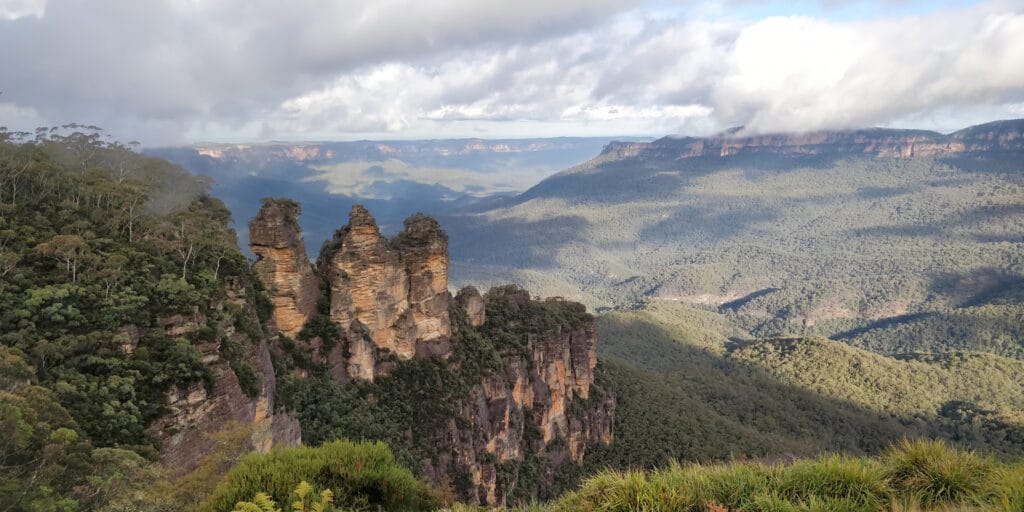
{"x":685,"y":393}
{"x":263,"y":503}
{"x":934,"y":474}
{"x":919,"y":475}
{"x":360,"y":476}
{"x":102,"y":252}
{"x":896,"y":255}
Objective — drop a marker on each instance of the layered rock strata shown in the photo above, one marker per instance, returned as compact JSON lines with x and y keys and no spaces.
{"x":994,"y":138}
{"x":281,"y":263}
{"x":394,"y":291}
{"x":195,"y":413}
{"x":389,"y":299}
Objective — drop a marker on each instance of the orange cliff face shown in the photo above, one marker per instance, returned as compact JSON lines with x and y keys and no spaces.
{"x":996,"y":137}
{"x":390,"y":301}
{"x":195,"y":412}
{"x":276,"y":240}
{"x":397,"y":291}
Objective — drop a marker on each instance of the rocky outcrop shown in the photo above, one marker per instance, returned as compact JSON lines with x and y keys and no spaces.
{"x":521,"y":371}
{"x":194,"y":413}
{"x":389,"y":296}
{"x":281,"y":263}
{"x":473,"y":304}
{"x":540,"y":408}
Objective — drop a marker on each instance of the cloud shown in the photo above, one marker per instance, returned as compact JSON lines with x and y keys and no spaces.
{"x":234,"y":69}
{"x":14,"y":9}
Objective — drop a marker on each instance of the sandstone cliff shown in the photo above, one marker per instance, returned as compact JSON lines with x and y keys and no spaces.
{"x":540,"y":407}
{"x":396,"y":291}
{"x":193,"y":414}
{"x":282,"y":264}
{"x":996,"y":137}
{"x":519,"y":373}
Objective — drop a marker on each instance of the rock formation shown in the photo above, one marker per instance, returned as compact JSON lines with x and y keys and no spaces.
{"x":473,"y":304}
{"x":282,"y":264}
{"x":198,"y":411}
{"x":534,"y":401}
{"x":522,"y":413}
{"x":996,"y":137}
{"x":394,"y":290}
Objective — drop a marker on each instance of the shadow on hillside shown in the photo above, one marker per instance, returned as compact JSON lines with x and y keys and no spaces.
{"x":513,"y":242}
{"x":994,"y":162}
{"x":984,"y":224}
{"x":682,"y":402}
{"x":981,"y":286}
{"x":882,"y":323}
{"x":697,"y":224}
{"x":631,"y":180}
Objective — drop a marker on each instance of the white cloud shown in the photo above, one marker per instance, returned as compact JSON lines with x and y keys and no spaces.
{"x":14,"y":9}
{"x":239,"y":69}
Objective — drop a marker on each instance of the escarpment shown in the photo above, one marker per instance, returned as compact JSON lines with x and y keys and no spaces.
{"x":519,"y":398}
{"x":242,"y":394}
{"x":282,"y":264}
{"x":996,"y":138}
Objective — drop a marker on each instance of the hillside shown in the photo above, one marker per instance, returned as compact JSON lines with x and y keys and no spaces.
{"x":686,"y":392}
{"x":894,"y":240}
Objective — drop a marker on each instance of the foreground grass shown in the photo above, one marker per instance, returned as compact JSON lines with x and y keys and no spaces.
{"x":911,"y":476}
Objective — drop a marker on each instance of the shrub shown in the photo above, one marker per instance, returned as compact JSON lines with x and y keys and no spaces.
{"x":359,"y":475}
{"x":936,"y":474}
{"x":858,"y":483}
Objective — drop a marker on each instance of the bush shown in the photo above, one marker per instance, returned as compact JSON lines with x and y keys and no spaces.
{"x":913,"y":475}
{"x":360,"y":476}
{"x":934,"y":473}
{"x":859,"y":483}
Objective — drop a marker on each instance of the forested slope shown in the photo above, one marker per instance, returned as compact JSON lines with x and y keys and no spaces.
{"x":114,"y":292}
{"x":910,"y":241}
{"x":687,"y":392}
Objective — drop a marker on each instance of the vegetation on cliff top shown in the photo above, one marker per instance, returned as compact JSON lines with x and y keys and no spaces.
{"x":101,"y":249}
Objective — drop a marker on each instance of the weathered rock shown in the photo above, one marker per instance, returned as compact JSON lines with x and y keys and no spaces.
{"x":196,"y":412}
{"x":424,"y":249}
{"x":473,"y":304}
{"x":282,"y":264}
{"x":525,"y":410}
{"x":996,"y":137}
{"x":531,"y":400}
{"x":397,"y":292}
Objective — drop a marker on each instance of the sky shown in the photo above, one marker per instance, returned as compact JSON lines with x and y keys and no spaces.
{"x":166,"y":72}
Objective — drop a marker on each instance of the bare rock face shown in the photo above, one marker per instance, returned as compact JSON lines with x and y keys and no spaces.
{"x":541,"y":406}
{"x":198,"y":411}
{"x":473,"y":304}
{"x":397,"y":291}
{"x":524,"y":372}
{"x":999,"y":137}
{"x":276,"y":240}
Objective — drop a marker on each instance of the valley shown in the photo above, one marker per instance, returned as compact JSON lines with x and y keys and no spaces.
{"x":758,"y":301}
{"x":895,"y":241}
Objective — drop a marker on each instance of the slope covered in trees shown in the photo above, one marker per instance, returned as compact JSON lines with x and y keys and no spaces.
{"x":905,"y":253}
{"x":687,"y":392}
{"x":103,"y":253}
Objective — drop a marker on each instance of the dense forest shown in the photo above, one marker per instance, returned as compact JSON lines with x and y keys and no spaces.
{"x":105,"y":253}
{"x":895,"y":255}
{"x":688,"y":392}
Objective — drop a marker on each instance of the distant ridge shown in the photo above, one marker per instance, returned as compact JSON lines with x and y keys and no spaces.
{"x":996,"y":136}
